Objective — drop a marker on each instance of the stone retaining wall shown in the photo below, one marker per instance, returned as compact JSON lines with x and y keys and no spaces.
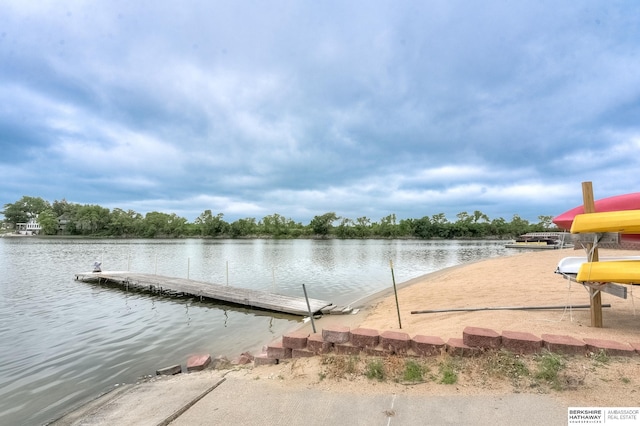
{"x":365,"y":341}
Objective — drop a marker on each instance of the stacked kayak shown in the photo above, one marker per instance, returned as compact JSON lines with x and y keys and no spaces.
{"x":619,"y":214}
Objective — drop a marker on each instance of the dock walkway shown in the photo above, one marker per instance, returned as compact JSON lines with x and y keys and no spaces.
{"x":171,"y":286}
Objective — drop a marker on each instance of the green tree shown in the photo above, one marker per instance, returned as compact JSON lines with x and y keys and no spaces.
{"x":498,"y":227}
{"x":479,"y":217}
{"x":462,"y":227}
{"x":388,"y":226}
{"x":363,"y":227}
{"x":346,"y":228}
{"x":176,"y":225}
{"x":91,"y":219}
{"x":24,"y":209}
{"x":439,"y":219}
{"x":423,"y":228}
{"x":474,"y":226}
{"x":211,"y":225}
{"x":322,"y":225}
{"x":546,"y":222}
{"x":243,"y":227}
{"x":278,"y":226}
{"x":48,"y":222}
{"x":441,"y":227}
{"x":62,"y":207}
{"x":123,"y":223}
{"x":518,"y":226}
{"x":407,"y":227}
{"x":153,"y":224}
{"x":157,"y":224}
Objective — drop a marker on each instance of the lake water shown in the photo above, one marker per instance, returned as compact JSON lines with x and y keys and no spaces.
{"x":63,"y":342}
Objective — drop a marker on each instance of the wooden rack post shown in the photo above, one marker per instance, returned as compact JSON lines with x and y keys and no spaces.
{"x":595,"y":295}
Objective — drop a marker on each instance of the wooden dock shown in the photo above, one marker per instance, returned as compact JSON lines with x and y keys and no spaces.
{"x":180,"y":287}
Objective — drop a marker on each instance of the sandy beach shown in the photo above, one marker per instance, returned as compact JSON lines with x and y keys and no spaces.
{"x":525,"y":279}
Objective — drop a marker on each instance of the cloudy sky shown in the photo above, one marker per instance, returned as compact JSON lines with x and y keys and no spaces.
{"x":362,"y":108}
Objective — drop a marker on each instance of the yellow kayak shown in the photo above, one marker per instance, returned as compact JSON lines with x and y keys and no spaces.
{"x":615,"y":271}
{"x":623,"y":221}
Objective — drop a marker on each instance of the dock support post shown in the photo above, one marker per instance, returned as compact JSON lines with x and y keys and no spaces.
{"x":313,"y":324}
{"x":595,"y":295}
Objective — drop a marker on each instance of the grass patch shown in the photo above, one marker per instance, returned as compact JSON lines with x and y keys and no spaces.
{"x":374,"y":369}
{"x":339,"y":367}
{"x":546,"y":370}
{"x":448,"y":373}
{"x":549,"y":366}
{"x":414,"y":371}
{"x":601,"y":357}
{"x":506,"y":364}
{"x":352,"y":365}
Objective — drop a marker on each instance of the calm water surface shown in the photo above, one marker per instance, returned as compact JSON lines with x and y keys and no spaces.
{"x":63,"y":342}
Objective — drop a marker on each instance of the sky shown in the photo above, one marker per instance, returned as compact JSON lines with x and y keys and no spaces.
{"x":362,"y":108}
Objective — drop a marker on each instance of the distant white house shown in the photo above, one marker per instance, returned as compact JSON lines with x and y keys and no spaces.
{"x":32,"y":227}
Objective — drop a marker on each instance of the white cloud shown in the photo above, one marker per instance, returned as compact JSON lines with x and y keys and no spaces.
{"x":328,"y":107}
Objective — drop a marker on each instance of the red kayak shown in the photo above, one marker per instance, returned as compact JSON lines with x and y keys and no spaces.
{"x":610,"y":204}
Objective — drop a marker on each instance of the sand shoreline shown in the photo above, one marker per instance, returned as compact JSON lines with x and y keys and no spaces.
{"x":524,"y":279}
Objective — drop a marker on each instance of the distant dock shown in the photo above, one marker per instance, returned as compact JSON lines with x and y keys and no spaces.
{"x":179,"y":287}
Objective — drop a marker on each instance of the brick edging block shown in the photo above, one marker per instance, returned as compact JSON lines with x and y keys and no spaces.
{"x":277,"y":351}
{"x":347,"y":349}
{"x":521,"y":342}
{"x":395,"y":342}
{"x":317,"y":345}
{"x":198,"y":362}
{"x":611,"y":347}
{"x":563,"y":344}
{"x":336,"y":334}
{"x":263,"y":359}
{"x":302,"y":353}
{"x":457,"y":346}
{"x":477,"y":337}
{"x":427,"y":345}
{"x":365,"y":337}
{"x":295,"y":340}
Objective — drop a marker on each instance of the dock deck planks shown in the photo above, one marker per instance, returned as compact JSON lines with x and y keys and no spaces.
{"x":185,"y":287}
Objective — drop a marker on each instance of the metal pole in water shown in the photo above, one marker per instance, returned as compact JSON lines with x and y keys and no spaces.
{"x":188,"y":266}
{"x":156,"y":270}
{"x":313,"y":324}
{"x":395,"y":291}
{"x":129,"y":262}
{"x":227,"y":272}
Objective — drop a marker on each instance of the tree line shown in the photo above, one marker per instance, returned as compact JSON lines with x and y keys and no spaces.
{"x":64,"y":218}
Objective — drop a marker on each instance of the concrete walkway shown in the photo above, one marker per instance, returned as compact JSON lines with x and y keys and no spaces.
{"x":213,"y":398}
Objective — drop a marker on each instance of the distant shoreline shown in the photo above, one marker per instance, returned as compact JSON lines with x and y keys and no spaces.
{"x":255,"y":237}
